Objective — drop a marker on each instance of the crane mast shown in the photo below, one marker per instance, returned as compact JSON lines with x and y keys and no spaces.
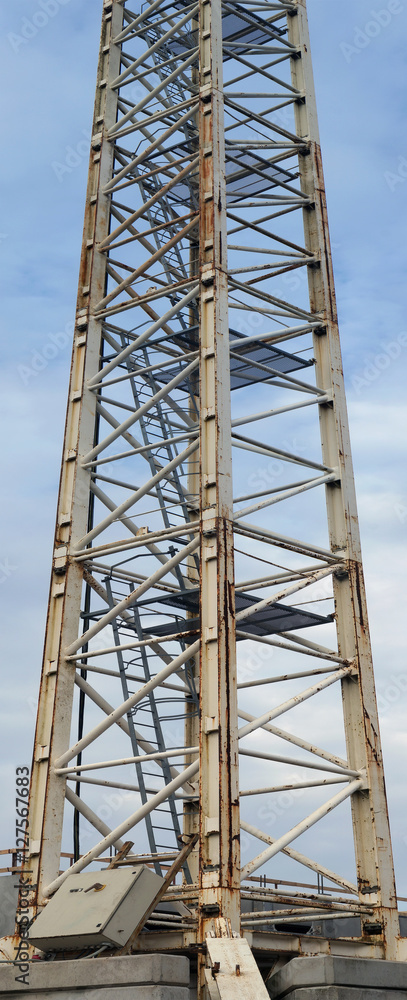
{"x":207,"y":575}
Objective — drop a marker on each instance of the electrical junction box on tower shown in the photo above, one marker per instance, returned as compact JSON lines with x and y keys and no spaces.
{"x":94,"y":908}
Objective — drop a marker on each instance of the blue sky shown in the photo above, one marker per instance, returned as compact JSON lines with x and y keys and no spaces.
{"x":49,"y":68}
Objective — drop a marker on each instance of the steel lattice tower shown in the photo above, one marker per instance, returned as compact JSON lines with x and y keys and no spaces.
{"x":205,"y":201}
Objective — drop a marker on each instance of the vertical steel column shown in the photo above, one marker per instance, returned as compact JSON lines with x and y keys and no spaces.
{"x":219,"y":821}
{"x":54,"y":717}
{"x":373,"y":850}
{"x":191,"y":809}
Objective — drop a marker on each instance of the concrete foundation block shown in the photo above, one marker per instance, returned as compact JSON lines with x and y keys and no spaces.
{"x":344,"y":993}
{"x":334,"y":978}
{"x":117,"y":993}
{"x":135,"y":977}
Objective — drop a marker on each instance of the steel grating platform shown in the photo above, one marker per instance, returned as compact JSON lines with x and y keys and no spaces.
{"x":250,"y":360}
{"x":266,"y":621}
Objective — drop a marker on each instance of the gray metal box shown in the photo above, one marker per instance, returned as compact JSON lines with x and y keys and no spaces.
{"x":92,"y":908}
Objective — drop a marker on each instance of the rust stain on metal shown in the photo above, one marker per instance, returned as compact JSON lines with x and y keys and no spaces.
{"x":326,"y":248}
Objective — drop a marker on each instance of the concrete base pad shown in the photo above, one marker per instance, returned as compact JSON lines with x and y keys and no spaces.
{"x":329,"y":978}
{"x":117,"y":993}
{"x":137,"y":977}
{"x":345,"y":993}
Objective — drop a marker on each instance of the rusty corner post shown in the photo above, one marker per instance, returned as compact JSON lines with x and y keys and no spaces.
{"x":371,"y":829}
{"x":219,"y":894}
{"x":47,"y":791}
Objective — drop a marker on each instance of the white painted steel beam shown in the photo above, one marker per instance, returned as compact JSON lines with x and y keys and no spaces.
{"x":305,"y":824}
{"x":219,"y":804}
